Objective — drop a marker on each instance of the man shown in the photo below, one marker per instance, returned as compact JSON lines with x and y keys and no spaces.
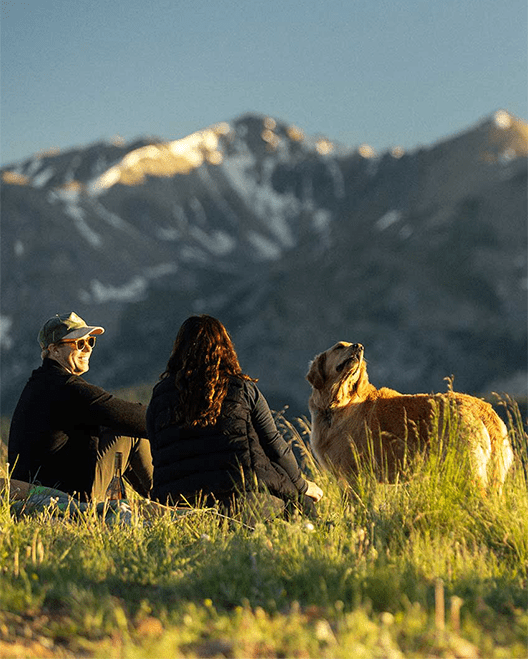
{"x":65,"y":432}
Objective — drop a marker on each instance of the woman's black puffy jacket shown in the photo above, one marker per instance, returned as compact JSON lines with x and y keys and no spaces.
{"x":243,"y":451}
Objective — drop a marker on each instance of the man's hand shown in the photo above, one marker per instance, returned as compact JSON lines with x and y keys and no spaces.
{"x":18,"y":490}
{"x":313,"y":491}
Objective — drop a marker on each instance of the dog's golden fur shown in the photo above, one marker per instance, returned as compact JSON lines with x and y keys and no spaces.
{"x":352,"y":421}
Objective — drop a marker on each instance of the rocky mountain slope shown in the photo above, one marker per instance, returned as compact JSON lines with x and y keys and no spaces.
{"x":292,"y":241}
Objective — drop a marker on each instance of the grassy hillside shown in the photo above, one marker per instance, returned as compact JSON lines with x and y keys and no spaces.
{"x":423,"y":568}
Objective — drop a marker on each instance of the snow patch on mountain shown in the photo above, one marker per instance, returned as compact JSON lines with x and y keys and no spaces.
{"x":266,"y":248}
{"x":266,"y":202}
{"x":164,"y":159}
{"x":42,"y":178}
{"x":75,"y":163}
{"x":132,"y":291}
{"x":6,"y":341}
{"x":406,"y":232}
{"x":193,"y":254}
{"x":215,"y":193}
{"x":167,"y":233}
{"x":33,"y":167}
{"x":217,"y":242}
{"x":106,"y":180}
{"x":337,"y":177}
{"x":199,"y":214}
{"x":111,"y":218}
{"x":321,"y":220}
{"x":161,"y":270}
{"x":238,"y":171}
{"x":388,"y":219}
{"x":506,"y":156}
{"x":502,"y":119}
{"x":179,"y":213}
{"x":77,"y":214}
{"x":70,"y":197}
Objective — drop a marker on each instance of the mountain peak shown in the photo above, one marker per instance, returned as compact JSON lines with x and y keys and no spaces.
{"x":508,"y":134}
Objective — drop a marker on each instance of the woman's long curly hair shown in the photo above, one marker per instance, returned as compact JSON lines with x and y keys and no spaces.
{"x":202,"y":360}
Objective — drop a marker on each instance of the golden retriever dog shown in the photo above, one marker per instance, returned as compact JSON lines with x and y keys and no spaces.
{"x":352,"y":421}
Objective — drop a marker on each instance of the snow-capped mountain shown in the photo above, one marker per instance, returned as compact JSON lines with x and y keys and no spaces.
{"x":292,"y":241}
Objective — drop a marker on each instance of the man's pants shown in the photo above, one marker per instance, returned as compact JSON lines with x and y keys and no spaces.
{"x":137,"y":464}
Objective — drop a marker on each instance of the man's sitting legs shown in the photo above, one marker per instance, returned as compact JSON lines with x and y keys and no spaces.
{"x":137,"y":463}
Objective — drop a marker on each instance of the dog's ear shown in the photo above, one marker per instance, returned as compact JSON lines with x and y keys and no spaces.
{"x":316,"y":375}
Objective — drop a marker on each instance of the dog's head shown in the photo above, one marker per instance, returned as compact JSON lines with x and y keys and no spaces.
{"x":339,"y":375}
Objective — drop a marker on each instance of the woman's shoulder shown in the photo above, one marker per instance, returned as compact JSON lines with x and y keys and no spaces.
{"x":237,"y":382}
{"x":163,"y":388}
{"x":243,"y":390}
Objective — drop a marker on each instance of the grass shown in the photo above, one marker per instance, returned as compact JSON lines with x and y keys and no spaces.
{"x":423,"y":568}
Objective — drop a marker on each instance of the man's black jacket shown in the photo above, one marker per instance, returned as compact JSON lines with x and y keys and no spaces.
{"x":56,"y":425}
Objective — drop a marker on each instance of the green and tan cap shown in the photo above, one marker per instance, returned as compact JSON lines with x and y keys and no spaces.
{"x":65,"y":325}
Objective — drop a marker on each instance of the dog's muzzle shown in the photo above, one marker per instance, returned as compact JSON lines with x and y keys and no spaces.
{"x":355,"y":357}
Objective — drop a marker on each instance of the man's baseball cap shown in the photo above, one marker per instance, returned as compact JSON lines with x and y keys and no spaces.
{"x":65,"y":325}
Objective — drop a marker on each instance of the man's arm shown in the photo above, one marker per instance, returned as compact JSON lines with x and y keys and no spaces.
{"x":97,"y":407}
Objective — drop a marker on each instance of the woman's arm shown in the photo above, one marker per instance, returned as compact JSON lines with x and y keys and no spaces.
{"x":276,"y":448}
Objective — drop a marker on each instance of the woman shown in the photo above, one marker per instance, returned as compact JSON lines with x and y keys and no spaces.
{"x":212,"y":434}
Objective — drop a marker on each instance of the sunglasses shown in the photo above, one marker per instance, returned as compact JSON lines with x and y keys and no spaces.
{"x":80,"y":343}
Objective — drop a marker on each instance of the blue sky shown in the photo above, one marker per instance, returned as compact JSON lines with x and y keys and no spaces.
{"x":386,"y":73}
